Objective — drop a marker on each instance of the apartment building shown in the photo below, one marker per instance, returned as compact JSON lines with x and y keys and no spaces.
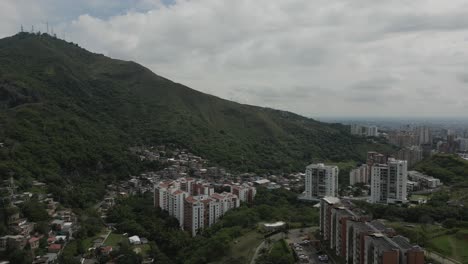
{"x":195,"y":204}
{"x":389,"y":182}
{"x":365,"y":131}
{"x":412,"y":154}
{"x":424,"y":180}
{"x":245,"y":192}
{"x":357,"y":239}
{"x":359,"y":175}
{"x":321,"y":180}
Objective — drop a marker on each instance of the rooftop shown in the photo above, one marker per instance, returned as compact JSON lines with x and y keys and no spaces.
{"x":331,"y":200}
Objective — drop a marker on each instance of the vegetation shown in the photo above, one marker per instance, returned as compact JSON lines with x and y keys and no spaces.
{"x":68,"y":115}
{"x":450,"y":169}
{"x":236,"y":231}
{"x":280,"y":253}
{"x":448,"y":241}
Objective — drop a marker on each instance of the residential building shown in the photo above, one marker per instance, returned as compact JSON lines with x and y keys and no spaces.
{"x":423,"y":135}
{"x":363,"y":130}
{"x":326,"y":205}
{"x":321,"y":180}
{"x":195,"y":204}
{"x":388,"y":182}
{"x":358,"y":240}
{"x":378,"y":249}
{"x":245,"y":192}
{"x":402,"y":138}
{"x":412,"y":154}
{"x":34,"y":242}
{"x":359,"y":175}
{"x":424,"y":180}
{"x":194,"y":213}
{"x":462,"y":144}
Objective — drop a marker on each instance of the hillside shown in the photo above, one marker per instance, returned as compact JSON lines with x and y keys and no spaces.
{"x":67,"y":111}
{"x":450,"y":169}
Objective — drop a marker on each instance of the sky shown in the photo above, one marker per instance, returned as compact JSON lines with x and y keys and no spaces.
{"x":318,"y":58}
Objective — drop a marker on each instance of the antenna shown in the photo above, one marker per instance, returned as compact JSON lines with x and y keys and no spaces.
{"x":32,"y":29}
{"x":47,"y":25}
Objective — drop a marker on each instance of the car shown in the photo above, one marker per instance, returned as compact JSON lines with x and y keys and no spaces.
{"x":323,"y":258}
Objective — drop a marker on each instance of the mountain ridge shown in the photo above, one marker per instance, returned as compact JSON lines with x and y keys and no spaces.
{"x":63,"y":109}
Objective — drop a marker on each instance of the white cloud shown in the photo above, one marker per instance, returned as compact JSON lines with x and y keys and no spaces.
{"x":320,"y":57}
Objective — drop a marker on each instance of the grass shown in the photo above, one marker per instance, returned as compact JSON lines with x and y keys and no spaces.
{"x":439,"y":239}
{"x":114,"y":239}
{"x":244,"y":247}
{"x":281,"y":250}
{"x":141,"y":249}
{"x":452,"y":246}
{"x":70,"y":249}
{"x":416,"y":197}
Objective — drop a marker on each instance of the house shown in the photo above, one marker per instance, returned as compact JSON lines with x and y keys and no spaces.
{"x":54,"y":248}
{"x":105,"y":251}
{"x":134,"y":240}
{"x":34,"y":242}
{"x":51,"y":240}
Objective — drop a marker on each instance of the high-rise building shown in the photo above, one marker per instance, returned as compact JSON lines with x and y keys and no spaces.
{"x":358,"y":239}
{"x":462,"y":144}
{"x":365,"y":131}
{"x":402,"y":138}
{"x":194,"y":213}
{"x":388,"y":182}
{"x":195,"y":204}
{"x":245,"y":192}
{"x":413,"y":155}
{"x":423,"y":135}
{"x":321,"y":180}
{"x":359,"y":175}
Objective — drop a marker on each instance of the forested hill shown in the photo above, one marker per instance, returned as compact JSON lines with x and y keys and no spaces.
{"x":65,"y":111}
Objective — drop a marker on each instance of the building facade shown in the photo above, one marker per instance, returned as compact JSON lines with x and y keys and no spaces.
{"x":412,"y":154}
{"x":359,"y":175}
{"x":358,"y":240}
{"x":388,"y":182}
{"x":321,"y":180}
{"x":195,"y":204}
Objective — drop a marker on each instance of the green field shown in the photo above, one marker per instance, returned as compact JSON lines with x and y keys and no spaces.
{"x":141,"y":249}
{"x":114,"y":239}
{"x":416,"y":197}
{"x":281,"y":251}
{"x":452,"y":243}
{"x":452,"y":246}
{"x":244,"y":247}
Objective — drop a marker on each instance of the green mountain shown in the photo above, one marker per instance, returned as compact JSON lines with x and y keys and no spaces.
{"x":67,"y":111}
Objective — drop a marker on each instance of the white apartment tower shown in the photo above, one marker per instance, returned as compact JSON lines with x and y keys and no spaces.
{"x":388,"y":182}
{"x":321,"y":180}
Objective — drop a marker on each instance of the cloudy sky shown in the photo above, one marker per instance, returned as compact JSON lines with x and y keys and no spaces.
{"x":315,"y":57}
